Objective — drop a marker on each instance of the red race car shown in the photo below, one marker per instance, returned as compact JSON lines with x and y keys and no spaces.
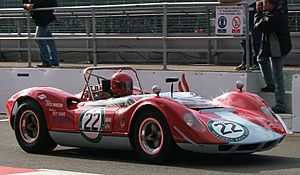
{"x":114,"y":111}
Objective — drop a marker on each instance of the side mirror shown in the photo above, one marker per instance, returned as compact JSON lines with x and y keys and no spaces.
{"x":171,"y":80}
{"x":156,"y":90}
{"x":239,"y":85}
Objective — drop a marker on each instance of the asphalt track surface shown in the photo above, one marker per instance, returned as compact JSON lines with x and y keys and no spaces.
{"x":285,"y":159}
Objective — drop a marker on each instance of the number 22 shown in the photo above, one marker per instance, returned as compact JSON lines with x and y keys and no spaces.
{"x":90,"y":123}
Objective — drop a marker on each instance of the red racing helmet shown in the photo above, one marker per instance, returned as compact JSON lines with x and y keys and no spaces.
{"x":121,"y":84}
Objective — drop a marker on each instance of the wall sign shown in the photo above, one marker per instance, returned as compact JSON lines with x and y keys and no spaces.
{"x":230,"y":20}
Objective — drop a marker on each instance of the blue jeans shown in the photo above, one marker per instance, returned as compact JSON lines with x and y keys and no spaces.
{"x":273,"y":76}
{"x":48,"y":51}
{"x":256,"y":40}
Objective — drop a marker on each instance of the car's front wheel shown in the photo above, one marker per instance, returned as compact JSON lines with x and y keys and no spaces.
{"x":153,"y":140}
{"x":31,"y":129}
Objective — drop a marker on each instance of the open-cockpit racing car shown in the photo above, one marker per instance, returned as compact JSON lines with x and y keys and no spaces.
{"x":115,"y":111}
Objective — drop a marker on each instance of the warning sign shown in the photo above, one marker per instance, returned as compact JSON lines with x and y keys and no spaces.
{"x":236,"y":24}
{"x":230,"y":20}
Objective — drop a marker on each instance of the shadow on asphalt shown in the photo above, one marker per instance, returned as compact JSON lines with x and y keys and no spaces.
{"x":238,"y":163}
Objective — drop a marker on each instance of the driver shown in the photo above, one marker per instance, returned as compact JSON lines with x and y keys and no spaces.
{"x":121,"y":84}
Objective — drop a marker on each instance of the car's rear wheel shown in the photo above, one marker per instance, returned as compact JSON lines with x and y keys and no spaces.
{"x":153,"y":140}
{"x":31,"y":129}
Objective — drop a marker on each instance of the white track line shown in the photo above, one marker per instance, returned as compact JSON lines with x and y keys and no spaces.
{"x":54,"y":172}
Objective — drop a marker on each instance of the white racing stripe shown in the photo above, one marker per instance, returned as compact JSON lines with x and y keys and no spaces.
{"x":54,"y":172}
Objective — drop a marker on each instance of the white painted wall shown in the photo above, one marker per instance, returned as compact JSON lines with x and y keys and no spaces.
{"x":296,"y":103}
{"x":10,"y":83}
{"x":206,"y":84}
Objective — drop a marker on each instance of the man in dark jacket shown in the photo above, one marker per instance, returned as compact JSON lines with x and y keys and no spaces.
{"x":272,"y":21}
{"x":42,"y":19}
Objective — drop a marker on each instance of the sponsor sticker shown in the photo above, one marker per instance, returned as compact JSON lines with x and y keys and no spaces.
{"x":91,"y":124}
{"x":53,"y":104}
{"x":228,"y":130}
{"x":42,"y":97}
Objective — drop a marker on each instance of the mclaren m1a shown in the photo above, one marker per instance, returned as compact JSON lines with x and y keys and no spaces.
{"x":115,"y":111}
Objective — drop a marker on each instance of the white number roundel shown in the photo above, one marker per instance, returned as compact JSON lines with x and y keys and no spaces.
{"x":228,"y":130}
{"x":90,"y":124}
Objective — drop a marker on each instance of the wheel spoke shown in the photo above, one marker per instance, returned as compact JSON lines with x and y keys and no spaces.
{"x":156,"y":143}
{"x":154,"y":128}
{"x":149,"y":137}
{"x":29,"y":125}
{"x":34,"y":132}
{"x":34,"y":122}
{"x":158,"y":135}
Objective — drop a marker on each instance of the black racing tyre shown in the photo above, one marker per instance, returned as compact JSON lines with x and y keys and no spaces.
{"x":152,"y":138}
{"x":31,"y":129}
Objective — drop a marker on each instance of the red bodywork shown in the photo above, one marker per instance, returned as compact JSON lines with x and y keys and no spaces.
{"x":151,"y":124}
{"x":63,"y":111}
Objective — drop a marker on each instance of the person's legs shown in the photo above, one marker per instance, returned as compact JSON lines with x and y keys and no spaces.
{"x":279,"y":83}
{"x":256,"y":41}
{"x":52,"y":49}
{"x":266,"y":70}
{"x":42,"y":44}
{"x":255,"y":36}
{"x":242,"y":66}
{"x":243,"y":46}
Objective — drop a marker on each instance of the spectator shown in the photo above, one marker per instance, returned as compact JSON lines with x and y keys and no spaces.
{"x":42,"y":19}
{"x":272,"y":20}
{"x":256,"y":40}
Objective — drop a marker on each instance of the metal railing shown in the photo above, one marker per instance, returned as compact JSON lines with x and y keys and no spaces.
{"x":161,"y":10}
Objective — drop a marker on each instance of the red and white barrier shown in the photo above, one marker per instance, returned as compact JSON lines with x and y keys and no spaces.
{"x":23,"y":171}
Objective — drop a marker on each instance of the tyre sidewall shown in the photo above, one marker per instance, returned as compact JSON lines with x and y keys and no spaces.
{"x":43,"y":140}
{"x":168,"y":143}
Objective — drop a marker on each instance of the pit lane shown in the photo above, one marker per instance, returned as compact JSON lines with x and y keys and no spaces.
{"x":285,"y":159}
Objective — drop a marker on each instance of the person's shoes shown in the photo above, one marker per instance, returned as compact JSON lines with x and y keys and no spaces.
{"x":43,"y":65}
{"x":55,"y":65}
{"x":268,"y":89}
{"x":278,"y":110}
{"x":240,"y":67}
{"x":254,"y":67}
